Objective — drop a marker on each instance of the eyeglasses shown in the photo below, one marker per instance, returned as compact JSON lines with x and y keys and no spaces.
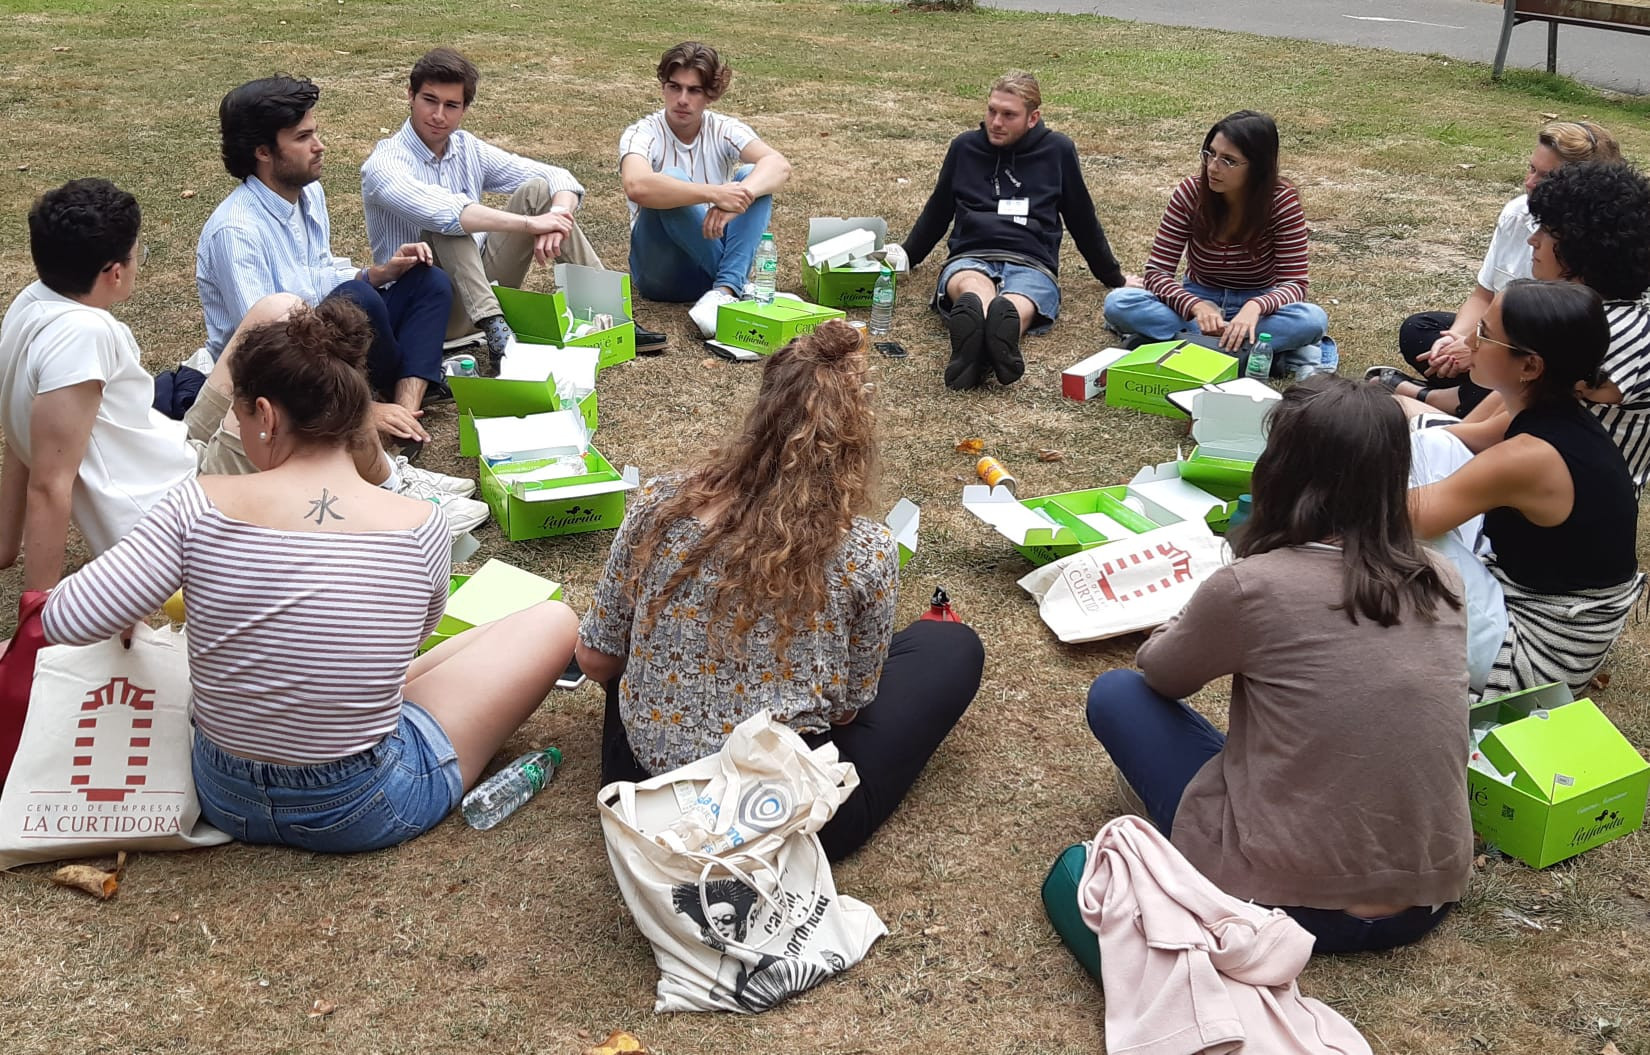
{"x":1515,"y":349}
{"x":139,"y":256}
{"x":1210,"y":157}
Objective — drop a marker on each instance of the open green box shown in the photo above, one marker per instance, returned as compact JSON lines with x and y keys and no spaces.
{"x":583,"y":292}
{"x":526,"y":397}
{"x":903,"y":521}
{"x":1144,"y":378}
{"x":766,"y":328}
{"x":568,"y":505}
{"x":1576,"y":782}
{"x":500,"y":589}
{"x":1230,"y":430}
{"x":1047,"y":528}
{"x":847,"y":285}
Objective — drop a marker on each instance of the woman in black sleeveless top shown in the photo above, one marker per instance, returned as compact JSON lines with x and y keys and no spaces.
{"x":1557,"y":500}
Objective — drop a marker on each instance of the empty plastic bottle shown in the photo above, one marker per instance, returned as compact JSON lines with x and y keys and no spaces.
{"x":463,"y":365}
{"x":1260,"y":358}
{"x":504,"y":792}
{"x":882,"y":302}
{"x":766,"y":278}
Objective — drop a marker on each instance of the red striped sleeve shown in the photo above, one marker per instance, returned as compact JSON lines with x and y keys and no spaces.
{"x":1174,"y":233}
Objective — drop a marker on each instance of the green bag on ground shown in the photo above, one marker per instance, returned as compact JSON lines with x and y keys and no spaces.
{"x":1060,"y":902}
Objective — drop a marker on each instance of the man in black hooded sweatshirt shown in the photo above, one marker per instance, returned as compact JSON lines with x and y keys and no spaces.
{"x":1003,"y":191}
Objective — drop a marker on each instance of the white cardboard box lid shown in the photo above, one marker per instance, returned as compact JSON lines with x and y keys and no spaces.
{"x":823,"y":228}
{"x":843,"y":250}
{"x":1242,"y":386}
{"x":1098,"y":361}
{"x":903,"y":520}
{"x":546,"y":435}
{"x":593,"y":288}
{"x":1162,"y":490}
{"x":998,"y":507}
{"x":1234,"y":423}
{"x":629,"y":477}
{"x":571,"y":367}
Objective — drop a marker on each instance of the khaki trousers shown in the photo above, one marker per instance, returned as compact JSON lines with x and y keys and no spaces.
{"x":504,"y":258}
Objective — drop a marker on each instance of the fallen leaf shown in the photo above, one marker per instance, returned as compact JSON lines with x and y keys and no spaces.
{"x":335,"y":51}
{"x":1049,"y":454}
{"x":174,"y":917}
{"x":61,"y":47}
{"x":824,"y":135}
{"x":971,"y":446}
{"x":1550,"y":117}
{"x":187,"y":194}
{"x":94,"y":881}
{"x":619,"y":1042}
{"x":1480,"y":861}
{"x":1609,"y":1048}
{"x":1601,"y":681}
{"x":929,"y":932}
{"x":707,"y":362}
{"x":384,"y":131}
{"x":322,"y":1008}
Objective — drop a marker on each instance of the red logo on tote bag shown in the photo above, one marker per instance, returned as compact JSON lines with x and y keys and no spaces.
{"x":123,"y":729}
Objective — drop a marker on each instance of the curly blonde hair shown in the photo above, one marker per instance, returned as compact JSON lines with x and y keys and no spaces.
{"x":787,"y":488}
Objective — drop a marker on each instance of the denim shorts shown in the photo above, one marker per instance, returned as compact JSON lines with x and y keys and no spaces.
{"x":1028,"y":282}
{"x":400,"y":787}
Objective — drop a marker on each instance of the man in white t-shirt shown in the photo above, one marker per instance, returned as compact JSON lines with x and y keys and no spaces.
{"x":700,"y":186}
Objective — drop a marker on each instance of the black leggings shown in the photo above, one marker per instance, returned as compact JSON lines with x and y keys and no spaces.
{"x":929,"y":678}
{"x":1415,"y":339}
{"x":1339,"y":932}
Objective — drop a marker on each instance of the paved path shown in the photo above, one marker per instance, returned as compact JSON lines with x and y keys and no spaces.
{"x":1462,"y":29}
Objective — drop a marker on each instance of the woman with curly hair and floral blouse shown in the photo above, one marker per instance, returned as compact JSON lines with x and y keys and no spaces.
{"x":756,"y":581}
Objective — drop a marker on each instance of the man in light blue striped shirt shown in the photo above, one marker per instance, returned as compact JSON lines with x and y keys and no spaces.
{"x":425,"y":183}
{"x":273,"y":235}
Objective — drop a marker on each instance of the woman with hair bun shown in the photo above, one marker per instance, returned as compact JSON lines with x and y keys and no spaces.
{"x":755,"y":580}
{"x":309,"y":591}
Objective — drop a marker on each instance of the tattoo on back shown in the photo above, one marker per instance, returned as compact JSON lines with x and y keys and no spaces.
{"x":321,"y":508}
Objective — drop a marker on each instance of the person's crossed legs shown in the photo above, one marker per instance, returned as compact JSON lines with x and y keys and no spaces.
{"x":671,"y":259}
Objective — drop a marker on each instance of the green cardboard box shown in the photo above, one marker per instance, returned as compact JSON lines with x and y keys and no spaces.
{"x":500,"y":589}
{"x":1230,"y":430}
{"x":581,"y":294}
{"x":1143,"y":379}
{"x":527,"y":397}
{"x":526,"y":508}
{"x":766,"y":328}
{"x":849,"y":284}
{"x":1575,"y":782}
{"x":1047,"y":528}
{"x":903,"y":521}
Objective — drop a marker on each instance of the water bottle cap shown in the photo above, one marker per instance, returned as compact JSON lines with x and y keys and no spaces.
{"x":555,"y":755}
{"x":1266,"y":337}
{"x":767,"y":236}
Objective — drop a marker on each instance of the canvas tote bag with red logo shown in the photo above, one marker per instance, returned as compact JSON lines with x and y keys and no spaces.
{"x":104,"y":760}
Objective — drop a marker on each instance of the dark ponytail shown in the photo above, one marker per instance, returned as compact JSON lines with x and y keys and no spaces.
{"x":311,"y":364}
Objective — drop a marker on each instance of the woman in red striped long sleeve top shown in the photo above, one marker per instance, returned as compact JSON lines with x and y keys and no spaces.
{"x":1240,"y":227}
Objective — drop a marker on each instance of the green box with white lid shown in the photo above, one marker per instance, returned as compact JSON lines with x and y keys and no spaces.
{"x":766,"y":328}
{"x":533,"y":380}
{"x":540,"y":476}
{"x":582,"y":294}
{"x":836,"y":269}
{"x":1144,"y":378}
{"x":1229,"y":425}
{"x":1556,"y":778}
{"x":1049,"y":527}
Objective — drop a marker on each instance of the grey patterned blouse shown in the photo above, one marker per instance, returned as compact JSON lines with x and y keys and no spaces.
{"x":679,"y":700}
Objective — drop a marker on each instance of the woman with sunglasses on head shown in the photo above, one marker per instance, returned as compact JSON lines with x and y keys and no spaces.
{"x":1435,"y":343}
{"x":1548,"y":503}
{"x":1241,"y":229}
{"x":755,"y":581}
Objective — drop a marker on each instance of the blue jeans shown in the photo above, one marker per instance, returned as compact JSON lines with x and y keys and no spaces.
{"x":409,"y":324}
{"x":672,"y":260}
{"x":400,"y":787}
{"x":1027,"y":282}
{"x":1159,"y":744}
{"x":1293,"y":326}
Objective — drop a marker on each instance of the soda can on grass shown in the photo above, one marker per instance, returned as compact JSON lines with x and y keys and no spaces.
{"x":994,"y":473}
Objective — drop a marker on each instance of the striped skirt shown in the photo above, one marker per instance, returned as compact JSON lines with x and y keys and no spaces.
{"x":1557,"y":637}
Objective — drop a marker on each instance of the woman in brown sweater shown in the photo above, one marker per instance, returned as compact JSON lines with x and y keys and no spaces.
{"x":1339,"y":793}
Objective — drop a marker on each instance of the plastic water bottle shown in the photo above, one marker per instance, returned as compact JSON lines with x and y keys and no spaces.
{"x":882,"y":302}
{"x":459,"y":366}
{"x":1260,"y":358}
{"x":503,"y":793}
{"x":767,"y":269}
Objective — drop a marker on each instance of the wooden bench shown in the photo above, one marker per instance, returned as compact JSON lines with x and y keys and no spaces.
{"x":1592,"y":14}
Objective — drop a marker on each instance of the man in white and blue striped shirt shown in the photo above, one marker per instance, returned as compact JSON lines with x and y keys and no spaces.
{"x":425,"y":183}
{"x":273,"y":235}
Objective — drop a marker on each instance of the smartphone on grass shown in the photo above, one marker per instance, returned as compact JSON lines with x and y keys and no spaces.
{"x":572,"y":677}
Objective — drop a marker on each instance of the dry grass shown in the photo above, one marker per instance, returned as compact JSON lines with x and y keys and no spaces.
{"x":516,"y":940}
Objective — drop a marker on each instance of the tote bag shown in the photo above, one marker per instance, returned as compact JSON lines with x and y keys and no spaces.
{"x":104,"y":761}
{"x":720,"y":864}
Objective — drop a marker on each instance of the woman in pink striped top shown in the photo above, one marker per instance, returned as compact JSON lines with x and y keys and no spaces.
{"x":308,"y":591}
{"x":1241,"y":229}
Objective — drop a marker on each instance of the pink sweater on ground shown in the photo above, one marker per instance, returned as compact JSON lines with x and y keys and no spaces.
{"x":1187,"y":968}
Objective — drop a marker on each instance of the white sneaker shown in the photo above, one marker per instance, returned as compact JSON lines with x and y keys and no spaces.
{"x":425,"y":481}
{"x":463,"y":514}
{"x":703,"y":312}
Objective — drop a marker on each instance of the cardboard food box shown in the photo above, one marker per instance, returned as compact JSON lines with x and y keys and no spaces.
{"x":836,"y":269}
{"x":903,"y":520}
{"x":497,"y":590}
{"x":1163,"y":485}
{"x":766,"y":328}
{"x":1569,"y":780}
{"x":526,"y":506}
{"x":500,"y":397}
{"x":1144,"y":378}
{"x":1230,"y":430}
{"x":581,"y":294}
{"x":1086,"y":380}
{"x":531,"y":437}
{"x":1047,"y":528}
